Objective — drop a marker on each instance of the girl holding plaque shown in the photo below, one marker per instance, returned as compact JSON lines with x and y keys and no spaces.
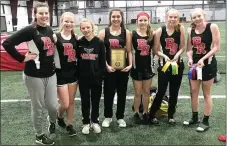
{"x":171,"y":66}
{"x":39,"y":72}
{"x":117,"y":41}
{"x":66,"y":44}
{"x":202,"y":45}
{"x":91,"y":66}
{"x":141,"y":73}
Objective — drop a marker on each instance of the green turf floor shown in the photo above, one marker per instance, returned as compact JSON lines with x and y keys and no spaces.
{"x":16,"y":128}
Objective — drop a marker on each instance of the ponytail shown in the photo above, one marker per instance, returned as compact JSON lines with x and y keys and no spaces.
{"x":149,"y":32}
{"x":34,"y":23}
{"x":177,"y":27}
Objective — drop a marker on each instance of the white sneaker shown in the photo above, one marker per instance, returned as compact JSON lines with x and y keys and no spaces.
{"x":106,"y":122}
{"x":96,"y":128}
{"x":86,"y":129}
{"x":121,"y":123}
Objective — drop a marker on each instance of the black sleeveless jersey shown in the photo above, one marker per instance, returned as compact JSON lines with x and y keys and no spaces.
{"x":170,"y":43}
{"x":142,"y":51}
{"x":114,"y":42}
{"x":67,"y":52}
{"x":202,"y":45}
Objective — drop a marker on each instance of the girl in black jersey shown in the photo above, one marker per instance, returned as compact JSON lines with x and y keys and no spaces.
{"x":40,"y":77}
{"x":141,"y":73}
{"x":171,"y":38}
{"x":116,"y":37}
{"x":91,"y":65}
{"x":203,"y":42}
{"x":66,"y":44}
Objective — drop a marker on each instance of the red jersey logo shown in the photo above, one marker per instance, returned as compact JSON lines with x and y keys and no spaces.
{"x":69,"y":51}
{"x":199,"y":45}
{"x":48,"y":45}
{"x":143,"y":47}
{"x":114,"y":43}
{"x":171,"y":45}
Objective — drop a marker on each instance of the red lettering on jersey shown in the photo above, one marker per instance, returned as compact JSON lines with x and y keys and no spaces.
{"x":114,"y":43}
{"x":171,"y":46}
{"x":69,"y":51}
{"x":199,"y":45}
{"x":143,"y":47}
{"x":48,"y":45}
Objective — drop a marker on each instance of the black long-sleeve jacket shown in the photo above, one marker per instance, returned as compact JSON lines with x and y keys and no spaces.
{"x":43,"y":39}
{"x":91,"y":58}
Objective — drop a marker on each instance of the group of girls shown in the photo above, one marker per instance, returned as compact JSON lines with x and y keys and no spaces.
{"x":52,"y":79}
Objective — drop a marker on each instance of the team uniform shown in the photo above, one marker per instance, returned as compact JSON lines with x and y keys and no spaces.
{"x":170,"y":46}
{"x":91,"y":66}
{"x":41,"y":83}
{"x":115,"y":81}
{"x":68,"y":61}
{"x":201,"y":46}
{"x":141,"y":69}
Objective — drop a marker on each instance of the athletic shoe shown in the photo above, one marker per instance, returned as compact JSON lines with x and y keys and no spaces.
{"x":44,"y":140}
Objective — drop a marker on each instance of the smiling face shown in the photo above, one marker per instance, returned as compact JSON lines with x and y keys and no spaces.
{"x":67,"y":22}
{"x":142,"y":22}
{"x":116,"y":18}
{"x":86,"y":28}
{"x":198,"y":17}
{"x":42,"y":15}
{"x":172,"y":18}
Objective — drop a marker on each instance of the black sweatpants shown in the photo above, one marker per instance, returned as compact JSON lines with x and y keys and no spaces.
{"x":115,"y":82}
{"x":90,"y":89}
{"x":174,"y":86}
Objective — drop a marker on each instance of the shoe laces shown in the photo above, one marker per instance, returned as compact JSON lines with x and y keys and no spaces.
{"x":44,"y":137}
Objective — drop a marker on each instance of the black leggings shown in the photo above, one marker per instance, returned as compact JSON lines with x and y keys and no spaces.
{"x":115,"y":82}
{"x":90,"y":90}
{"x":174,"y":86}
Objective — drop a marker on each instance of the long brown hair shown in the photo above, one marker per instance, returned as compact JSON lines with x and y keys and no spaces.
{"x":177,"y":26}
{"x":149,"y":31}
{"x":38,"y":5}
{"x":62,"y":18}
{"x":122,"y":17}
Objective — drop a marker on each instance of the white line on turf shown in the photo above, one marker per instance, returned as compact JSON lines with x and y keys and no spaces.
{"x":128,"y":97}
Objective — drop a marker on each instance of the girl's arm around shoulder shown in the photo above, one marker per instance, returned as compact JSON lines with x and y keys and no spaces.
{"x":101,"y":34}
{"x":55,"y":38}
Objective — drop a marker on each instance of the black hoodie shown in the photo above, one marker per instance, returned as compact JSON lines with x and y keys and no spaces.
{"x":91,"y":58}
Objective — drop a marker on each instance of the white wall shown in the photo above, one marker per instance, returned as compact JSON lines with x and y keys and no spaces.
{"x":22,"y":15}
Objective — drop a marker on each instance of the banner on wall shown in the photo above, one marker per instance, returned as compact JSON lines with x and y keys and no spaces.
{"x":7,"y":62}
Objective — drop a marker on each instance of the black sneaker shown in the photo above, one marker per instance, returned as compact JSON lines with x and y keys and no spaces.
{"x":191,"y":122}
{"x":136,"y":118}
{"x":70,"y":130}
{"x":145,"y":118}
{"x":202,"y":127}
{"x":154,"y":121}
{"x":61,"y":122}
{"x":44,"y":140}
